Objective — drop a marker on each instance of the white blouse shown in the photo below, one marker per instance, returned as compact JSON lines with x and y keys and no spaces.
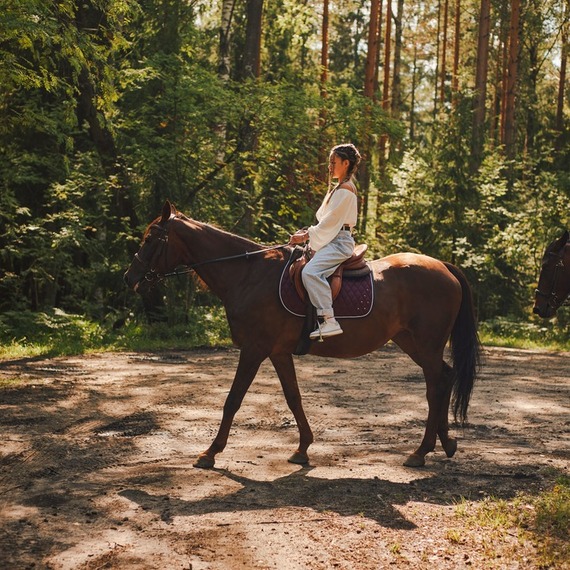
{"x":342,"y":208}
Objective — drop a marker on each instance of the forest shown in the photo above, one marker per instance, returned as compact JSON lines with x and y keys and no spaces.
{"x":228,"y":108}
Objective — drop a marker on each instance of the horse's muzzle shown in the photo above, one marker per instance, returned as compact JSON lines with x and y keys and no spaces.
{"x":131,"y":284}
{"x":544,"y":312}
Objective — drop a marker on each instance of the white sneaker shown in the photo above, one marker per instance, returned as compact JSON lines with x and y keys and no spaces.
{"x":329,"y":328}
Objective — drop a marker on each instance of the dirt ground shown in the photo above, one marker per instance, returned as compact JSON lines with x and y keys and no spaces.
{"x":97,"y":452}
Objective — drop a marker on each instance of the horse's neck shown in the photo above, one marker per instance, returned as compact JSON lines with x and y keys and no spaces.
{"x":205,"y":244}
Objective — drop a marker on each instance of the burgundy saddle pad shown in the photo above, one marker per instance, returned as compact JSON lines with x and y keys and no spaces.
{"x":354,"y":300}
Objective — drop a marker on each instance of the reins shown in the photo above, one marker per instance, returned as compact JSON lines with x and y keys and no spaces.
{"x":153,"y":276}
{"x":189,"y":268}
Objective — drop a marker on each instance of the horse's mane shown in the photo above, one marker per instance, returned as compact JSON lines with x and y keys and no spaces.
{"x":246,"y":242}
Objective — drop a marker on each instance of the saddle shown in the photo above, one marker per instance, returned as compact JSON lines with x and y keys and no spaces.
{"x":354,"y":266}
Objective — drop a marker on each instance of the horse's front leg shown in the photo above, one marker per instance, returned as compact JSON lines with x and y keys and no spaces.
{"x":249,"y":363}
{"x":285,"y":369}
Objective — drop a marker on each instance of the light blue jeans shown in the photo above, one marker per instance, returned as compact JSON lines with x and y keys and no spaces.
{"x":323,"y":265}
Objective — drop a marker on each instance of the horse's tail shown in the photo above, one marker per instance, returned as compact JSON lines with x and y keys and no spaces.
{"x":465,"y":348}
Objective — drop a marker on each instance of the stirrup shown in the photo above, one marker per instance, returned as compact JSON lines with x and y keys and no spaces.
{"x":326,"y":329}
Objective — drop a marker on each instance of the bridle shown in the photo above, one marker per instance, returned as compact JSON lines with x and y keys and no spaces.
{"x":152,"y":276}
{"x":552,"y":298}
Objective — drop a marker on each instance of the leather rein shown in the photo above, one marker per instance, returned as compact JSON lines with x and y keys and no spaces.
{"x":154,"y":276}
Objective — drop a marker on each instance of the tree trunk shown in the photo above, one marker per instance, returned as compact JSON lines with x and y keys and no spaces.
{"x":224,"y":49}
{"x":224,"y":70}
{"x":456,"y":54}
{"x":512,"y":72}
{"x":322,"y":156}
{"x":247,"y":135}
{"x":378,"y":48}
{"x":387,"y":57}
{"x":252,"y":48}
{"x":386,"y":84}
{"x":444,"y":53}
{"x":396,"y":106}
{"x":437,"y":62}
{"x":369,"y":92}
{"x":499,"y":80}
{"x":325,"y":48}
{"x":559,"y":122}
{"x":385,"y":96}
{"x":532,"y":95}
{"x":89,"y":17}
{"x":413,"y":94}
{"x":372,"y":51}
{"x":480,"y":83}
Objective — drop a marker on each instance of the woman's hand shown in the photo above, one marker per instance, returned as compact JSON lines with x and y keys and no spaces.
{"x":300,"y":236}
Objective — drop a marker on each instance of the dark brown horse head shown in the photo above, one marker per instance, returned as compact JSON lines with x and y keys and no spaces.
{"x":554,"y":280}
{"x":149,"y":263}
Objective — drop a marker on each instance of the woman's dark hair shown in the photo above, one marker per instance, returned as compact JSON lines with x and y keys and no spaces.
{"x":345,"y":151}
{"x":348,"y":151}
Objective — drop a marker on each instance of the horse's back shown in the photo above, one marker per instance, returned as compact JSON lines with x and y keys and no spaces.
{"x":414,"y":278}
{"x":409,"y":259}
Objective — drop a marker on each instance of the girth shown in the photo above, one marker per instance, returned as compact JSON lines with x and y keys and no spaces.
{"x":354,"y":266}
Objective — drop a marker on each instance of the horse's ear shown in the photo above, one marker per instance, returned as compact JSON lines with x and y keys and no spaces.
{"x":167,"y":210}
{"x":565,"y":236}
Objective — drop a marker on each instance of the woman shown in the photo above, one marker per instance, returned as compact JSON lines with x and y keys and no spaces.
{"x":331,"y":240}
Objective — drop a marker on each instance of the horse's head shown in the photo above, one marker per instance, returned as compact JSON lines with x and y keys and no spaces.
{"x":554,"y":280}
{"x":150,"y":262}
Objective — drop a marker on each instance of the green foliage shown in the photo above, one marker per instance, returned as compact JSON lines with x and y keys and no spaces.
{"x":543,"y":518}
{"x":495,"y":231}
{"x":55,"y":333}
{"x":108,"y":107}
{"x":47,"y":334}
{"x":502,"y":331}
{"x":205,"y":327}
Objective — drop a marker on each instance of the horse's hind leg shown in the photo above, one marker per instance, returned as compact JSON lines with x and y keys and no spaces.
{"x":435,"y":392}
{"x":285,"y":369}
{"x":448,"y":443}
{"x":249,"y":363}
{"x":438,"y":391}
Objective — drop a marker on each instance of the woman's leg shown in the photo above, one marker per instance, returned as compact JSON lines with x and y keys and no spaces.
{"x":315,"y":274}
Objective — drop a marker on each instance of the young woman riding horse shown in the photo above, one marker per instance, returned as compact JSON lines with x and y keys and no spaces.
{"x":330,"y":239}
{"x":420,"y":303}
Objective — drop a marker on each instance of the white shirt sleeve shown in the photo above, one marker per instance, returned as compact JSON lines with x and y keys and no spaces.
{"x":342,"y":208}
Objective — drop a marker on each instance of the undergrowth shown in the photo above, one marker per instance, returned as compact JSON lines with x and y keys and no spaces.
{"x":48,"y":334}
{"x":552,"y":334}
{"x":542,"y":519}
{"x":56,"y":333}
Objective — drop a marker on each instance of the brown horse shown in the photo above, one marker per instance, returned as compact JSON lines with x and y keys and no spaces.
{"x":554,"y":280}
{"x":420,"y":303}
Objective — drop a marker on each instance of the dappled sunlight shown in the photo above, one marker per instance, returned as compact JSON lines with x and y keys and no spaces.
{"x":99,"y":453}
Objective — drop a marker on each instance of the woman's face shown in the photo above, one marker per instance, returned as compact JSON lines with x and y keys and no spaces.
{"x":338,"y":167}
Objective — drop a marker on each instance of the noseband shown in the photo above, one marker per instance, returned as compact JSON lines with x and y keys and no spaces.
{"x":552,"y":298}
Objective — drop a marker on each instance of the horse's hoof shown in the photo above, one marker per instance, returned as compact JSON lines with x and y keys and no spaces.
{"x":299,"y":458}
{"x":415,"y":460}
{"x":450,"y":447}
{"x":204,"y":461}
